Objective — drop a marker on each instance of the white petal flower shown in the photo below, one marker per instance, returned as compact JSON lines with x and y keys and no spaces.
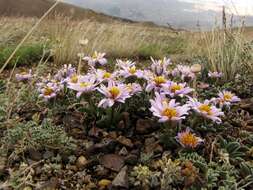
{"x":176,"y":89}
{"x":24,"y":76}
{"x":113,"y":93}
{"x":206,"y":109}
{"x":159,"y":67}
{"x":167,"y":110}
{"x":96,"y":58}
{"x":227,"y":97}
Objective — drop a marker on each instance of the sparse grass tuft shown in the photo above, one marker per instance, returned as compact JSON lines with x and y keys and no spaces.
{"x":225,"y":50}
{"x":26,"y":56}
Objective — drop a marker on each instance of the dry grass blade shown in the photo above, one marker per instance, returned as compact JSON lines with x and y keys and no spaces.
{"x":28,"y":34}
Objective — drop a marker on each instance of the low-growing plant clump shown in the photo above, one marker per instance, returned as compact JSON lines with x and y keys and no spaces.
{"x":101,"y":125}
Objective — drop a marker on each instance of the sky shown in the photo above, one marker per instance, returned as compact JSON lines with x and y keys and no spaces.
{"x":239,"y":7}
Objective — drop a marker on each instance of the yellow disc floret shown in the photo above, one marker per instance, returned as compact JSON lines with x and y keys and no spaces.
{"x":228,"y":96}
{"x":170,"y":112}
{"x":205,"y":108}
{"x":48,"y":91}
{"x":189,"y":139}
{"x":84,"y":84}
{"x":132,"y":70}
{"x":175,"y":87}
{"x":107,"y":75}
{"x":74,"y":79}
{"x":114,"y":91}
{"x":159,"y":80}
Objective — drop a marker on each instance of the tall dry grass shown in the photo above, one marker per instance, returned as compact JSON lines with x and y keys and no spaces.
{"x":117,"y":39}
{"x":227,"y":50}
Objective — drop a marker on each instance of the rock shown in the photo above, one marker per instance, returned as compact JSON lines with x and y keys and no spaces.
{"x":112,"y":161}
{"x":144,"y":126}
{"x":152,"y":146}
{"x":34,"y":154}
{"x":103,"y":183}
{"x":196,"y":68}
{"x":73,"y":122}
{"x":125,"y":141}
{"x":158,"y":148}
{"x":123,"y":152}
{"x":87,"y":179}
{"x":121,"y":180}
{"x":247,"y":104}
{"x":81,"y":162}
{"x":106,"y":146}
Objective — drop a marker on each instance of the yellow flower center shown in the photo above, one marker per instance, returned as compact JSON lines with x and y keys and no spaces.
{"x":74,"y":79}
{"x":132,"y":70}
{"x":48,"y":91}
{"x":228,"y":96}
{"x":175,"y":87}
{"x":23,"y":73}
{"x":189,"y":139}
{"x":159,"y":80}
{"x":84,"y":84}
{"x":107,"y":75}
{"x":170,"y":112}
{"x":205,"y":108}
{"x":114,"y":91}
{"x":95,"y":55}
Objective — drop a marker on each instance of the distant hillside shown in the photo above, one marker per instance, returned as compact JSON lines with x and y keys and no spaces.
{"x":176,"y":13}
{"x":36,"y":8}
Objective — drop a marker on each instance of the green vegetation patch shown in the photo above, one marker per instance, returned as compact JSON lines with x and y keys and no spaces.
{"x":25,"y":56}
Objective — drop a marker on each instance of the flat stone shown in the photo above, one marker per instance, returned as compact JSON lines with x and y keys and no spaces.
{"x":125,"y":141}
{"x":106,"y":146}
{"x":121,"y":180}
{"x":112,"y":161}
{"x":144,"y":126}
{"x":81,"y":162}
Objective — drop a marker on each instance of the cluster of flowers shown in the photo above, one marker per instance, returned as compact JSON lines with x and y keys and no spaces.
{"x":166,"y":84}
